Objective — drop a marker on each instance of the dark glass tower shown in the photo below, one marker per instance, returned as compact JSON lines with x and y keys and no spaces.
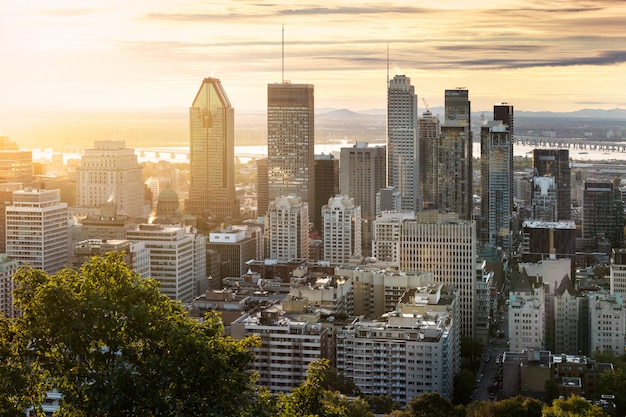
{"x":555,"y":163}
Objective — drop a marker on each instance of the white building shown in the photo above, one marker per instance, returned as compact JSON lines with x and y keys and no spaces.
{"x":333,"y":294}
{"x":607,"y":321}
{"x":342,"y":230}
{"x":287,"y":229}
{"x":526,"y":313}
{"x":446,"y":246}
{"x":177,"y":258}
{"x":618,"y":272}
{"x":110,"y":172}
{"x":8,"y":267}
{"x":377,"y":290}
{"x":37,"y":229}
{"x":386,"y":242}
{"x":289,"y":343}
{"x":416,"y":351}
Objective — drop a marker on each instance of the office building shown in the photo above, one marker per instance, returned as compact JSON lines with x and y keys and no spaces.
{"x":109,"y":172}
{"x":16,"y":166}
{"x":233,"y":246}
{"x":287,"y":229}
{"x":445,"y":246}
{"x":212,"y":154}
{"x":429,"y":131}
{"x":386,"y":242}
{"x":455,"y":156}
{"x":388,"y":199}
{"x":496,"y":170}
{"x":291,"y":141}
{"x":603,"y":212}
{"x":326,"y":186}
{"x":363,"y":176}
{"x":402,"y":141}
{"x":555,"y":163}
{"x":262,"y":200}
{"x":177,"y":258}
{"x":342,"y":230}
{"x":37,"y":229}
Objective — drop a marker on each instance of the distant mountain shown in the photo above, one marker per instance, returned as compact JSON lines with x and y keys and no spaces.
{"x":583,"y":113}
{"x":616,"y":113}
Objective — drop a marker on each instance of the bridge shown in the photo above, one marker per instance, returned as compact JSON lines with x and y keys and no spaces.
{"x":570,"y":143}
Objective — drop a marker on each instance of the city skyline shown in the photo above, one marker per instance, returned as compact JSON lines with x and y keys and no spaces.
{"x":114,"y":55}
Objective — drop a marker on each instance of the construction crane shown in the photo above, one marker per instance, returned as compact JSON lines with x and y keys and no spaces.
{"x":425,"y":104}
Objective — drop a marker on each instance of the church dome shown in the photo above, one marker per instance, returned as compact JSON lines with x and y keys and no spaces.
{"x":168,"y":196}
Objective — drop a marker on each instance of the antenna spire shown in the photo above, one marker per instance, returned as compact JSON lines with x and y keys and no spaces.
{"x":387,"y":63}
{"x":283,"y":54}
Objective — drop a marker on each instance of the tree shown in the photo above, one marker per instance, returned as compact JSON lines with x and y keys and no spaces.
{"x":464,"y":384}
{"x":614,"y":382}
{"x":510,"y":407}
{"x":334,"y":381}
{"x":574,"y":406}
{"x":430,"y":404}
{"x":471,"y":352}
{"x":115,"y":346}
{"x":551,"y":390}
{"x":310,"y":399}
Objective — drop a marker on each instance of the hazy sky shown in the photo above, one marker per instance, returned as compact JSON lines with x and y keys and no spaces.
{"x":146,"y":54}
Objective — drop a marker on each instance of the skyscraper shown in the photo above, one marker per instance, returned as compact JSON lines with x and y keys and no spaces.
{"x":326,"y":185}
{"x":363,"y":173}
{"x":429,"y":130}
{"x":496,"y":180}
{"x":555,"y":163}
{"x":291,"y":141}
{"x":455,"y":156}
{"x":603,"y":212}
{"x":402,"y":141}
{"x":212,"y":154}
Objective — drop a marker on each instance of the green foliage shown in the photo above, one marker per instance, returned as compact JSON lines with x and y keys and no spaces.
{"x":510,"y":407}
{"x":471,"y":352}
{"x":334,"y":381}
{"x":115,"y":346}
{"x":464,"y":384}
{"x":430,"y":404}
{"x":381,"y":403}
{"x":574,"y":406}
{"x":551,"y":390}
{"x":614,"y":382}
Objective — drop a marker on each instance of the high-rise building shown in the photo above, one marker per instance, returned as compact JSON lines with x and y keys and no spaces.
{"x":233,"y":246}
{"x":15,"y":165}
{"x":446,"y":246}
{"x":110,"y":173}
{"x":455,"y":156}
{"x":287,"y":229}
{"x":212,"y":154}
{"x":504,"y":113}
{"x":326,"y":186}
{"x":8,"y":267}
{"x":607,"y":323}
{"x":429,"y":131}
{"x":291,"y":141}
{"x":37,"y":229}
{"x":496,"y":180}
{"x":618,"y":272}
{"x":389,"y":199}
{"x":527,"y":308}
{"x":403,"y":141}
{"x":363,"y":173}
{"x":603,"y":212}
{"x":555,"y":163}
{"x":262,"y":201}
{"x":342,"y":229}
{"x":177,"y":258}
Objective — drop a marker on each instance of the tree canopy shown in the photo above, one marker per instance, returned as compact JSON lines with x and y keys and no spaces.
{"x":115,"y":346}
